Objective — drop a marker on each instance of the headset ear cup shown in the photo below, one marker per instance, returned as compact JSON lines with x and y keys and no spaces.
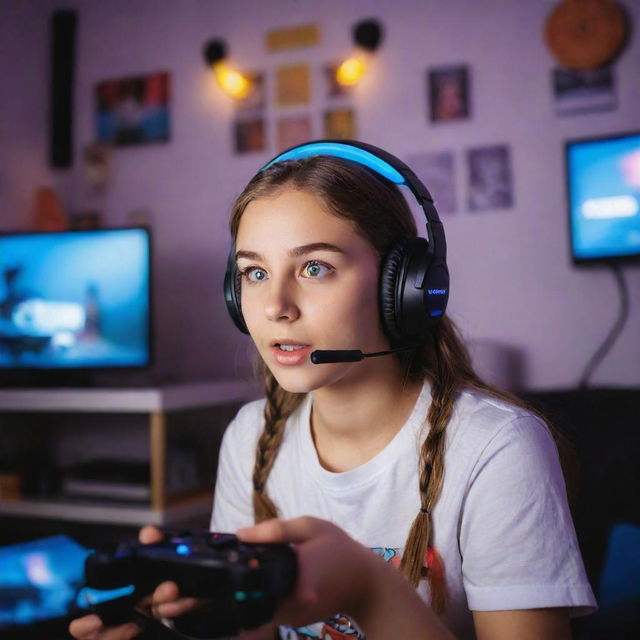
{"x":232,"y":293}
{"x":237,"y":284}
{"x":389,"y":274}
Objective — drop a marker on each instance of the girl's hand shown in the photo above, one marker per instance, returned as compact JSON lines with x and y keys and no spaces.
{"x":335,"y":573}
{"x":338,"y":575}
{"x":165,"y":603}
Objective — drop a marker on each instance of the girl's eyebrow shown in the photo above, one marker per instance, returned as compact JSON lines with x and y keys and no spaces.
{"x":296,"y":252}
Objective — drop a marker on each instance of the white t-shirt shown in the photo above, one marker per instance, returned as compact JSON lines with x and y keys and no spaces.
{"x":502,"y":524}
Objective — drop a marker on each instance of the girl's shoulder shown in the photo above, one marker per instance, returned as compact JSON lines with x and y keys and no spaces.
{"x":481,"y":417}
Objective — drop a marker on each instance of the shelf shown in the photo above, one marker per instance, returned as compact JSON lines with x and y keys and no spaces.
{"x":109,"y":513}
{"x":168,"y":398}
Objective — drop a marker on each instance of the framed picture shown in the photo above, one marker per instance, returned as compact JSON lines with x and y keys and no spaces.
{"x":489,"y":178}
{"x":339,"y":124}
{"x":436,"y":169}
{"x":449,"y":93}
{"x":334,"y":88}
{"x":133,"y":110}
{"x":249,"y":135}
{"x":293,"y":131}
{"x":583,"y":91}
{"x":255,"y":99}
{"x":293,"y":85}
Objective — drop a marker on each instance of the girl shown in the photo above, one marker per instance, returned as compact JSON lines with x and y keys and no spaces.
{"x":451,"y":482}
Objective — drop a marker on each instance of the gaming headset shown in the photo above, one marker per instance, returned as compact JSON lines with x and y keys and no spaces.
{"x":414,"y":280}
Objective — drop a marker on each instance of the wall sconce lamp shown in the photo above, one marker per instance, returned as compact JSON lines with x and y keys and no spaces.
{"x":367,"y":35}
{"x":232,"y":82}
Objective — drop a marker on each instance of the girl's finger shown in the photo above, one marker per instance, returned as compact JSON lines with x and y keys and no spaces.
{"x":91,"y":628}
{"x":165,"y":592}
{"x":297,"y":530}
{"x":85,"y":627}
{"x":175,"y":608}
{"x":150,"y":535}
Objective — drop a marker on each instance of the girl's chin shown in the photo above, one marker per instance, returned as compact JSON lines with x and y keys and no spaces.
{"x":304,"y":381}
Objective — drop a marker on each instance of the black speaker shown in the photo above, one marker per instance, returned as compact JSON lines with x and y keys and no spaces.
{"x":63,"y":51}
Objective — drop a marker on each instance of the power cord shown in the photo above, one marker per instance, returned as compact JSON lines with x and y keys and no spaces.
{"x":615,"y":331}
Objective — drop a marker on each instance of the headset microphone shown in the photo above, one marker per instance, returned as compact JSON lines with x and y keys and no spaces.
{"x":350,"y":355}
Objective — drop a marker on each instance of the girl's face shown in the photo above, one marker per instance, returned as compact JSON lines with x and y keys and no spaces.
{"x":309,"y":281}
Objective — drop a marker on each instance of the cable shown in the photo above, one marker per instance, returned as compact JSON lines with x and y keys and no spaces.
{"x":615,"y":331}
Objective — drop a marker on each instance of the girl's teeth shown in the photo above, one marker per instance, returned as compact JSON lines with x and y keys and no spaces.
{"x":291,"y":347}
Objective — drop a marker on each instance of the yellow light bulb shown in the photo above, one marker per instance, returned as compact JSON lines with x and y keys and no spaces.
{"x":232,"y":82}
{"x":350,"y":71}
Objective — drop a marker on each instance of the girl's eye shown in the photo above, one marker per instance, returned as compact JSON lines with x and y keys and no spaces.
{"x":254,"y":274}
{"x":315,"y":269}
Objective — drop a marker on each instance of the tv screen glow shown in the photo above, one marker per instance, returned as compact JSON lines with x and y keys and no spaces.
{"x":603,"y":177}
{"x":75,"y":300}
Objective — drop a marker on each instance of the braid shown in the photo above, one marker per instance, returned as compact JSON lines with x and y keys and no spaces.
{"x":419,"y":541}
{"x":279,"y":406}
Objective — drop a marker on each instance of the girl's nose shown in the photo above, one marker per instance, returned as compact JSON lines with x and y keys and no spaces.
{"x":280,"y":304}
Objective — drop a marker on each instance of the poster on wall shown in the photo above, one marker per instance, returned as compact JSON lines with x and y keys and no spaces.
{"x":436,"y":170}
{"x":333,"y":88}
{"x":583,"y":91}
{"x":97,"y":165}
{"x":293,"y":131}
{"x":293,"y":85}
{"x":490,"y":183}
{"x":339,"y":124}
{"x":133,"y":110}
{"x":448,"y":93}
{"x":255,"y":100}
{"x":305,"y":35}
{"x":249,"y":135}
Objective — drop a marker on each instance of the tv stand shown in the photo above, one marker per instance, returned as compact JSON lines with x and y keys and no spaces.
{"x":156,"y":405}
{"x":36,"y":379}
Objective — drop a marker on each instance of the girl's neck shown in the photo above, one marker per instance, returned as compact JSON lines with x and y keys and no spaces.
{"x":351,"y":423}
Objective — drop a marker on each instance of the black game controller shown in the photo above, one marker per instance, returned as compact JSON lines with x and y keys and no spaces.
{"x":241,"y":583}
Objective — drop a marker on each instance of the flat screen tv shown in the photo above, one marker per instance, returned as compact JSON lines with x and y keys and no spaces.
{"x":75,"y":300}
{"x":603,"y":184}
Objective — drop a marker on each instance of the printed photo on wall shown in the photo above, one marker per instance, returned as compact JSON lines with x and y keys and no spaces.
{"x":133,"y":110}
{"x":340,"y":124}
{"x":449,"y":93}
{"x":296,"y":37}
{"x":249,"y":135}
{"x":334,"y":88}
{"x":254,"y":101}
{"x":490,"y":183}
{"x":293,"y":85}
{"x":97,"y":165}
{"x":583,"y":91}
{"x":293,"y":131}
{"x":436,"y":170}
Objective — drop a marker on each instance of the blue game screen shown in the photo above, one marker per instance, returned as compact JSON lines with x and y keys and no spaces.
{"x":77,"y":299}
{"x":40,"y":580}
{"x":604,"y":197}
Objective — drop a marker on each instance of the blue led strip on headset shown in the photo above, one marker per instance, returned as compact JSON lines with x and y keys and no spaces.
{"x":342,"y":151}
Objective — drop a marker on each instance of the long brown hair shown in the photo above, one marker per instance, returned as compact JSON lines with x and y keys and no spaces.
{"x":377,"y":211}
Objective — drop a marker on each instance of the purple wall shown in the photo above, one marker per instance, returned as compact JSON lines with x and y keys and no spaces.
{"x":511,"y":277}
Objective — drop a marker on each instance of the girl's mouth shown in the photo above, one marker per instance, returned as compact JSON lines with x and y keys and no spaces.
{"x":290,"y":354}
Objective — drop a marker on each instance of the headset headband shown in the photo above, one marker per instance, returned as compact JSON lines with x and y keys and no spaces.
{"x":384,"y":164}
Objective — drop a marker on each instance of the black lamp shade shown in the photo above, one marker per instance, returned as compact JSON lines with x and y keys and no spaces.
{"x":368,"y":34}
{"x":214,"y":51}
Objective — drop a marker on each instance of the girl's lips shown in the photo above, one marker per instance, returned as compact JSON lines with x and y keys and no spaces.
{"x":291,"y":358}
